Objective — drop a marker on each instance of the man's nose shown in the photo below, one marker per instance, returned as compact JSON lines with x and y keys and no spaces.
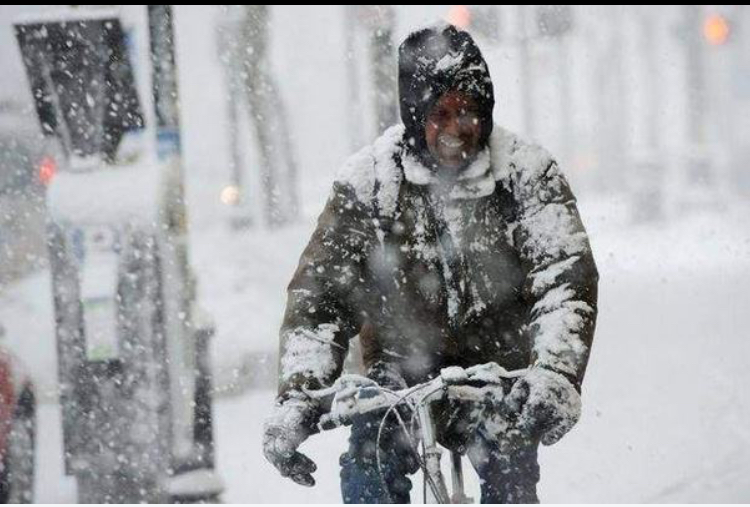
{"x":452,"y":126}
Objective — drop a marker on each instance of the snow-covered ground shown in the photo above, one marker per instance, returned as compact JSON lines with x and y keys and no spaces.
{"x":665,"y":398}
{"x":665,"y":402}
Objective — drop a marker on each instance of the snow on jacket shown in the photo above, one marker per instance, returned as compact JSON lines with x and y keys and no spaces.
{"x":498,"y":268}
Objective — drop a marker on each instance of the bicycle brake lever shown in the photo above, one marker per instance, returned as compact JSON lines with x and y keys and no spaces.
{"x":341,"y":384}
{"x":492,"y":373}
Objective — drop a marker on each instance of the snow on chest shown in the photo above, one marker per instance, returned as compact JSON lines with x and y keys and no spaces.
{"x":449,"y":235}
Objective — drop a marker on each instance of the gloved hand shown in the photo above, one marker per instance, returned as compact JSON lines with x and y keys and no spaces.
{"x":458,"y":421}
{"x":546,"y":405}
{"x":463,"y":418}
{"x":290,"y":423}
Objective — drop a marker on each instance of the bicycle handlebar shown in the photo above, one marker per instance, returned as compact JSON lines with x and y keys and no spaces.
{"x":355,"y":395}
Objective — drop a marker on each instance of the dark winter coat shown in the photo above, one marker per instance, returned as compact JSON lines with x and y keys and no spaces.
{"x":494,"y":267}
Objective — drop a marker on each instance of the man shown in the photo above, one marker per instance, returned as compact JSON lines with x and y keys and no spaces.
{"x":447,"y":242}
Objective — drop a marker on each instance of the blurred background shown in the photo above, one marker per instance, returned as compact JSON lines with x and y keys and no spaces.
{"x":648,"y":110}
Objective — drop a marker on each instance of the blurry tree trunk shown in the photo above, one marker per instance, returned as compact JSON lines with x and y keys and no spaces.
{"x":696,"y":85}
{"x":354,"y":104}
{"x":227,"y":36}
{"x":613,"y":106}
{"x":650,"y":167}
{"x":369,"y":39}
{"x":278,"y":169}
{"x":702,"y":186}
{"x":383,"y":58}
{"x":567,"y":125}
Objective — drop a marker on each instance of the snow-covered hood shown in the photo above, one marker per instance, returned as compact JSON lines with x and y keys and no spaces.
{"x":433,"y":61}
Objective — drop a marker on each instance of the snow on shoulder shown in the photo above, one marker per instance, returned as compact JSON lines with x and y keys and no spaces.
{"x":376,"y":163}
{"x":512,"y":157}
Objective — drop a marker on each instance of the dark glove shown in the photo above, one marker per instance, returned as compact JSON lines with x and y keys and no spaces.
{"x":458,"y":423}
{"x":290,"y":423}
{"x":545,"y":403}
{"x":462,"y":419}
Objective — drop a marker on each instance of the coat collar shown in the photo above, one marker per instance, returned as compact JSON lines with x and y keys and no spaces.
{"x":476,"y":181}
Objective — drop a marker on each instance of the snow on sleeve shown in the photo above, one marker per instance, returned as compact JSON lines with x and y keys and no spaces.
{"x":547,"y":278}
{"x":324,"y":292}
{"x":553,"y":233}
{"x":309,"y":353}
{"x":559,"y":319}
{"x":553,"y":243}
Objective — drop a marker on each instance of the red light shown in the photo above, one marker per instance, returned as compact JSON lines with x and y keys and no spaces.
{"x":459,"y":16}
{"x":47,"y":170}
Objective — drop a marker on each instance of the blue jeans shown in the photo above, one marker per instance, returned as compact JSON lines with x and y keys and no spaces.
{"x":507,"y":476}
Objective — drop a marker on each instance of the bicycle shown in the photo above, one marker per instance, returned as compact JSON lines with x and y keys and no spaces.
{"x":355,"y":395}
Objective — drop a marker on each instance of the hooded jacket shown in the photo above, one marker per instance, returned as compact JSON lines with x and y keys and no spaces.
{"x":497,"y":267}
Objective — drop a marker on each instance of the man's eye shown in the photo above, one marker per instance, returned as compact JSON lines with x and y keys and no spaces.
{"x":469,"y":117}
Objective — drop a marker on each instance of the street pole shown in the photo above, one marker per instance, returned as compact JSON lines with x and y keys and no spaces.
{"x":527,"y":78}
{"x":180,"y":346}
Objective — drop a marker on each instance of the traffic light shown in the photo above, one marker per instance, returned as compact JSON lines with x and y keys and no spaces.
{"x":716,"y":30}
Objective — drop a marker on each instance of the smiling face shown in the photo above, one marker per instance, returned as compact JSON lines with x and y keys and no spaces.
{"x":453,"y":130}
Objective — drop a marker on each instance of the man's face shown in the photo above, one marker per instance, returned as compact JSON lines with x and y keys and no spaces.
{"x":453,"y":130}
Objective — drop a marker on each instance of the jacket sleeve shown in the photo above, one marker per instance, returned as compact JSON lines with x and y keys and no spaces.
{"x":562,"y":279}
{"x":325,"y":294}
